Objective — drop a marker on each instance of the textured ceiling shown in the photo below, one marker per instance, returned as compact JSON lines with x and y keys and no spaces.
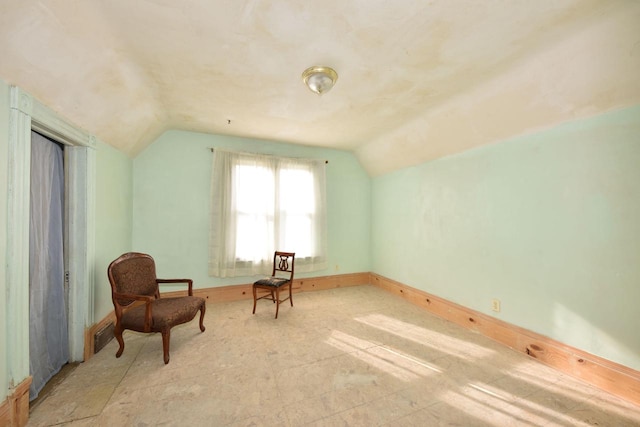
{"x":417,"y":79}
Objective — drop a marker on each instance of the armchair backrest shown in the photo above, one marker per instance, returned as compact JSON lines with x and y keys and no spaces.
{"x":283,"y":262}
{"x":133,"y":273}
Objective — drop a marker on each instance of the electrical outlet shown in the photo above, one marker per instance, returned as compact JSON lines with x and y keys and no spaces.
{"x":495,"y":305}
{"x":337,"y":267}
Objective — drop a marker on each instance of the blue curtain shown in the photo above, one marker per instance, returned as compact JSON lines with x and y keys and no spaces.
{"x":48,"y":332}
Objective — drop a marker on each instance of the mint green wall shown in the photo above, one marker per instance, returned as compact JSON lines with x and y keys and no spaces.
{"x":548,"y":223}
{"x":114,"y":219}
{"x":171,"y":204}
{"x":4,"y":154}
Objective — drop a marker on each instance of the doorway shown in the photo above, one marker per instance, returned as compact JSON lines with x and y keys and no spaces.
{"x":48,"y":293}
{"x":26,"y":114}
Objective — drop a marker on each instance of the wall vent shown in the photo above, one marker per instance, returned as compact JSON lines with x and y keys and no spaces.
{"x":103,"y":336}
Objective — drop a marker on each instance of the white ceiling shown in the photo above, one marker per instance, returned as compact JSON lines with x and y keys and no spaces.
{"x":417,"y":79}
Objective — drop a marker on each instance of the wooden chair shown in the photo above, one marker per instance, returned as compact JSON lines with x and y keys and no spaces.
{"x":283,"y":263}
{"x":136,"y":298}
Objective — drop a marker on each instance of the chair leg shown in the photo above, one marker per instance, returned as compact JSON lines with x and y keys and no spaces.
{"x":202,"y":310}
{"x":166,"y":336}
{"x":117,"y":332}
{"x":277,"y":301}
{"x":290,"y":295}
{"x":254,"y":300}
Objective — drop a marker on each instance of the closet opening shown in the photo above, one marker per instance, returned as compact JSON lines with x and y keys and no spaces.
{"x":48,"y":263}
{"x":27,"y":114}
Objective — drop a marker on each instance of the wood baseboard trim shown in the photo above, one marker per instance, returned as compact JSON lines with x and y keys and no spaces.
{"x":244,"y":291}
{"x":14,"y":411}
{"x":612,"y":377}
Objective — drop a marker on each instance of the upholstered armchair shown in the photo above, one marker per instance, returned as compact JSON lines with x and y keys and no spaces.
{"x":136,"y":298}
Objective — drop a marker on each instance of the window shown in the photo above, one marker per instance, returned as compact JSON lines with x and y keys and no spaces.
{"x":260,"y":204}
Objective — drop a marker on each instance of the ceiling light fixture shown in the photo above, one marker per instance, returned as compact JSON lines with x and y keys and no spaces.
{"x":319,"y":79}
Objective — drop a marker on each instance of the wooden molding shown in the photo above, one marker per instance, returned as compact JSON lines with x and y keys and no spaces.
{"x":14,"y":411}
{"x":612,"y":377}
{"x":5,"y":413}
{"x":244,"y":291}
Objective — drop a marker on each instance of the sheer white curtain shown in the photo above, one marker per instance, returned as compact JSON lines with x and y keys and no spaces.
{"x":48,"y":333}
{"x":260,"y":204}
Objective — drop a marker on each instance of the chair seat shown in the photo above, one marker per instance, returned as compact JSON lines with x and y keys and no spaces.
{"x":166,"y":313}
{"x":275,"y":282}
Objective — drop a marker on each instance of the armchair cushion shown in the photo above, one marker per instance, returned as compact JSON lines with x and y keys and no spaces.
{"x":166,"y":313}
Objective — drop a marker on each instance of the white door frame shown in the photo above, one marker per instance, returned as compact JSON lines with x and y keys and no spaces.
{"x":27,"y":113}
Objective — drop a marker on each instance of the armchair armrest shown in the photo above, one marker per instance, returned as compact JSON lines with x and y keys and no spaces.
{"x":144,"y":298}
{"x":189,"y":283}
{"x":135,"y":297}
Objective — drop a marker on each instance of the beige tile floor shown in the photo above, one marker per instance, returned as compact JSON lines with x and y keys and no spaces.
{"x":345,"y":357}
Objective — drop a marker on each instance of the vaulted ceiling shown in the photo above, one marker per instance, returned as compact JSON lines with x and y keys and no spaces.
{"x":417,"y":79}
